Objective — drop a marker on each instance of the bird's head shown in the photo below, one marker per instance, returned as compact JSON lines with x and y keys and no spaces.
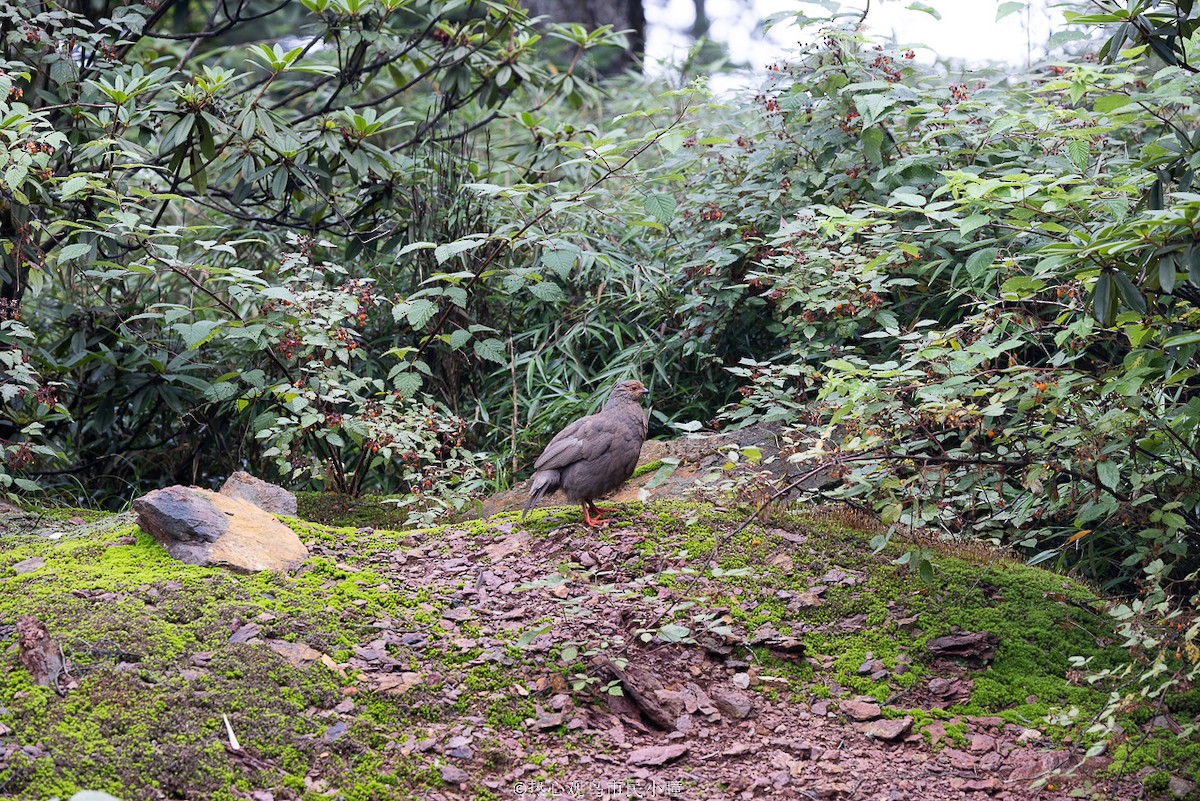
{"x":628,"y":390}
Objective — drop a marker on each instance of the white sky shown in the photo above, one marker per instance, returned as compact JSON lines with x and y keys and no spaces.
{"x":968,"y":29}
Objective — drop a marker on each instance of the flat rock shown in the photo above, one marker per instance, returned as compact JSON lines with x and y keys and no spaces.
{"x":297,"y":653}
{"x":860,"y":710}
{"x":888,"y":730}
{"x":263,"y":494}
{"x":201,"y":527}
{"x":733,"y":703}
{"x":29,"y":565}
{"x":452,"y":774}
{"x":657,"y":754}
{"x":1027,"y":765}
{"x":982,"y":742}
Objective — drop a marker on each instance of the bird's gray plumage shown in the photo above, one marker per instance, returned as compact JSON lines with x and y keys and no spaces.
{"x":595,"y":454}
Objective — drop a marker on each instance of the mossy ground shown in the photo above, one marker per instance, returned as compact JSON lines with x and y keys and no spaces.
{"x":157,"y":671}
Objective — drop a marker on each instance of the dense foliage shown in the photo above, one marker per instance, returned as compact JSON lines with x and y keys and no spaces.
{"x":160,"y":178}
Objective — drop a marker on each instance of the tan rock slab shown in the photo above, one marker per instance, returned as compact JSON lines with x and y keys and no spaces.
{"x":201,"y":527}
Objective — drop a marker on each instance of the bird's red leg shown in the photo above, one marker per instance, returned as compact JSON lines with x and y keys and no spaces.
{"x":592,"y":514}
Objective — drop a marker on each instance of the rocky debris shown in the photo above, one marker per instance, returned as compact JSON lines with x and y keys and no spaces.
{"x":41,"y":656}
{"x":888,"y":730}
{"x":263,"y":494}
{"x":657,"y":754}
{"x":974,"y":646}
{"x":200,"y":527}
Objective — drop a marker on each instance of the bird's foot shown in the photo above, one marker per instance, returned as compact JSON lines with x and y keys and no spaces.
{"x":592,"y":516}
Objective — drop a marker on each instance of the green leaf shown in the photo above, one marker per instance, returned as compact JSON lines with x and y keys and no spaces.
{"x":458,"y":338}
{"x":419,"y":312}
{"x":1020,"y":287}
{"x":673,"y":632}
{"x":196,"y":334}
{"x":1179,"y":340}
{"x":872,"y":107}
{"x":1193,"y":264}
{"x":1078,"y":150}
{"x":547,"y":291}
{"x":1109,"y":473}
{"x":909,"y":199}
{"x":1129,"y":293}
{"x":1110,"y":103}
{"x":980,"y":260}
{"x":221,"y":391}
{"x":73,"y":185}
{"x":444,"y":252}
{"x":492,"y":350}
{"x":930,"y":10}
{"x":73,"y":251}
{"x":872,"y":142}
{"x":973,"y":222}
{"x":1103,"y":301}
{"x":560,"y":261}
{"x":1166,"y":273}
{"x":408,"y":383}
{"x":661,"y":207}
{"x":410,"y":247}
{"x":1005,"y":9}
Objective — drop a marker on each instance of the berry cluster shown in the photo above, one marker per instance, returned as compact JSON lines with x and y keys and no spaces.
{"x":19,"y":456}
{"x":289,"y":344}
{"x":47,"y":395}
{"x":885,"y":64}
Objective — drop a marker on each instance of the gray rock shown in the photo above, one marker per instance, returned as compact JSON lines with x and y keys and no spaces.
{"x":263,"y":494}
{"x":657,"y":754}
{"x":454,"y":775}
{"x":200,"y":527}
{"x":29,"y":565}
{"x":1180,"y":787}
{"x":733,"y":703}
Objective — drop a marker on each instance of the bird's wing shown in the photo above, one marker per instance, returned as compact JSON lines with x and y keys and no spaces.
{"x":584,"y":440}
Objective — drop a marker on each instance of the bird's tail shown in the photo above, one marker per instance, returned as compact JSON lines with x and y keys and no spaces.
{"x":543,"y":482}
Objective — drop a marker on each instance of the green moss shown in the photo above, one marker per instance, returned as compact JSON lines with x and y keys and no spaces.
{"x":649,"y":467}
